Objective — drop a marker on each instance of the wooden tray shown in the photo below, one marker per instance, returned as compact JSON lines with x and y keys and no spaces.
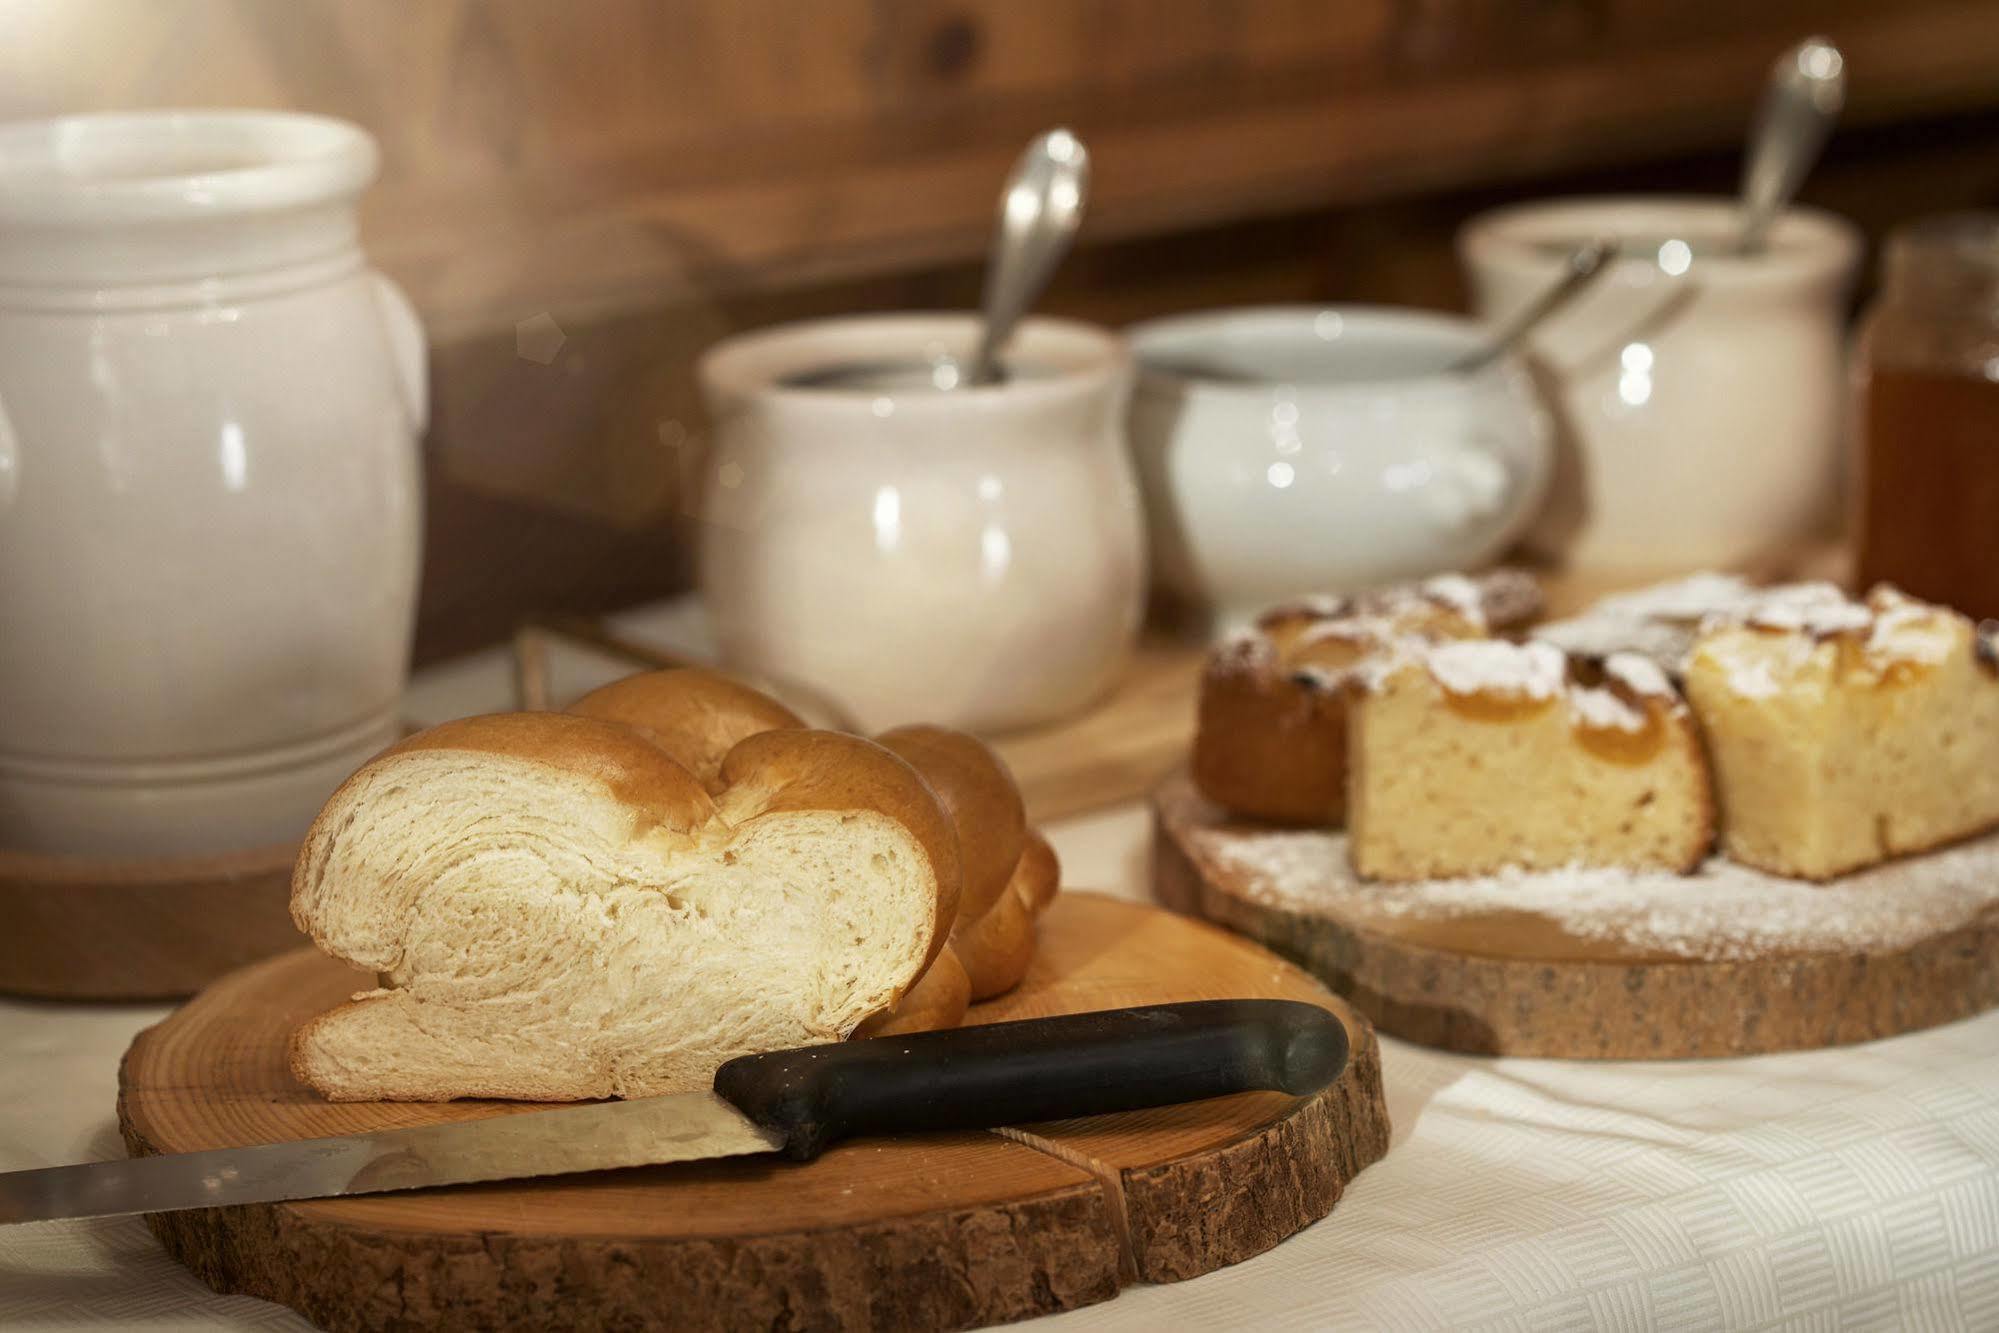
{"x":1122,"y":747}
{"x":939,"y":1231}
{"x":85,"y":928}
{"x":1520,"y":982}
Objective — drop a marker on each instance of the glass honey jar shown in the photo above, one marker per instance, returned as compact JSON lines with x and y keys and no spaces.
{"x":1928,"y":490}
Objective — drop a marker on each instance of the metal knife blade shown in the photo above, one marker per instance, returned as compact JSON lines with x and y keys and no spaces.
{"x":644,"y":1132}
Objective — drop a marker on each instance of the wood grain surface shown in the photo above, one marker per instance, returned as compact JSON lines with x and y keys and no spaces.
{"x":1121,"y":747}
{"x":936,"y":1231}
{"x":84,"y":928}
{"x":621,"y":152}
{"x":1519,"y":983}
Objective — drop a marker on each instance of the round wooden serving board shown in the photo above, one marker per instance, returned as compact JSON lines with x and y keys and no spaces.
{"x":1733,"y":964}
{"x":939,"y":1231}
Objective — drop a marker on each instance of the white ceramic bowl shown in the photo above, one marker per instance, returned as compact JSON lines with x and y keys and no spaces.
{"x":969,"y":557}
{"x":1347,"y":459}
{"x":1698,"y":396}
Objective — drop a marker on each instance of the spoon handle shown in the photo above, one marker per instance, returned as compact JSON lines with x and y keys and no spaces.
{"x":1807,"y":90}
{"x":1039,"y":212}
{"x":1581,"y":268}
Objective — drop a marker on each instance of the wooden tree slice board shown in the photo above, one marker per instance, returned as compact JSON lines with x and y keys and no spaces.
{"x":1921,"y":948}
{"x":86,"y":928}
{"x":916,"y":1232}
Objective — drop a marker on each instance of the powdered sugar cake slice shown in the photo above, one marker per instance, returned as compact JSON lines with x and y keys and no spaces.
{"x":1604,"y":963}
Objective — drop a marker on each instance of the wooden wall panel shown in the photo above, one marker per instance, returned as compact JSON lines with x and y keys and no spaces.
{"x":615,"y":154}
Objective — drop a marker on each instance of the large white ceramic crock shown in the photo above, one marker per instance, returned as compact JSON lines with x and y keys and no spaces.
{"x":969,"y":557}
{"x":1330,"y":453}
{"x":1699,"y":396}
{"x":209,"y":483}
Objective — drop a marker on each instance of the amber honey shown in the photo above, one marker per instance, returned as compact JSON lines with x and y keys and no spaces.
{"x":1929,"y":520}
{"x":1928,"y":497}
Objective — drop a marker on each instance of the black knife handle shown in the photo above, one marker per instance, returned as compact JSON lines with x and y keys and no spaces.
{"x":1035,"y":1069}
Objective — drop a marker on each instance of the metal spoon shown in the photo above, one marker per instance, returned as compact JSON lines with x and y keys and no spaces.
{"x":1580,"y":269}
{"x":1807,"y":89}
{"x":1039,"y":213}
{"x":1040,"y":209}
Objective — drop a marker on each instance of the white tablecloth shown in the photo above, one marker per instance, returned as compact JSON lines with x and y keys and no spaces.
{"x":1852,"y":1188}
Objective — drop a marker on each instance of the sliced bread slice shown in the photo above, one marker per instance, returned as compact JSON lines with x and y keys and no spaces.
{"x":558,"y":910}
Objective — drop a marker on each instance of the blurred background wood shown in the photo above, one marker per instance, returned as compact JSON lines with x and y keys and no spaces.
{"x":581,"y":196}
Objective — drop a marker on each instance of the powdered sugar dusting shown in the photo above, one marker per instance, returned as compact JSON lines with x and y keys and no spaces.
{"x":1692,"y":598}
{"x":1313,"y":606}
{"x":1722,"y":912}
{"x":1640,"y":675}
{"x":1897,"y":629}
{"x":1459,"y":593}
{"x":1603,"y":710}
{"x":1658,"y":622}
{"x":1754,"y":667}
{"x":1495,"y":666}
{"x":1910,"y":631}
{"x":1820,"y":609}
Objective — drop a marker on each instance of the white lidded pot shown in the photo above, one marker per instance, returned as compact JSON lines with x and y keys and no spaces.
{"x":1287,"y":450}
{"x":1698,"y":395}
{"x":210,"y":491}
{"x":971,"y":556}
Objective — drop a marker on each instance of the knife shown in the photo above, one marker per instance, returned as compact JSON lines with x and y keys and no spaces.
{"x":795,"y":1102}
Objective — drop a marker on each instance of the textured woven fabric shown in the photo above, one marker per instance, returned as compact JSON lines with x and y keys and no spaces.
{"x":1856,"y":1188}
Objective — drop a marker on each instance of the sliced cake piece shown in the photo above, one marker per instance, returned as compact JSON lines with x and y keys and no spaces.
{"x":1272,"y":738}
{"x":1846,"y":732}
{"x":1477,"y":757}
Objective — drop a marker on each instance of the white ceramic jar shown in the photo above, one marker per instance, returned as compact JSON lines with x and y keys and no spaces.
{"x":1287,"y":450}
{"x":970,"y":557}
{"x":209,"y":481}
{"x":1699,"y":396}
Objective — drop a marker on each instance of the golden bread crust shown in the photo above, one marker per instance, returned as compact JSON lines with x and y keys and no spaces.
{"x":979,"y":795}
{"x":694,"y":715}
{"x":1038,"y":875}
{"x":997,"y":947}
{"x":638,"y":773}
